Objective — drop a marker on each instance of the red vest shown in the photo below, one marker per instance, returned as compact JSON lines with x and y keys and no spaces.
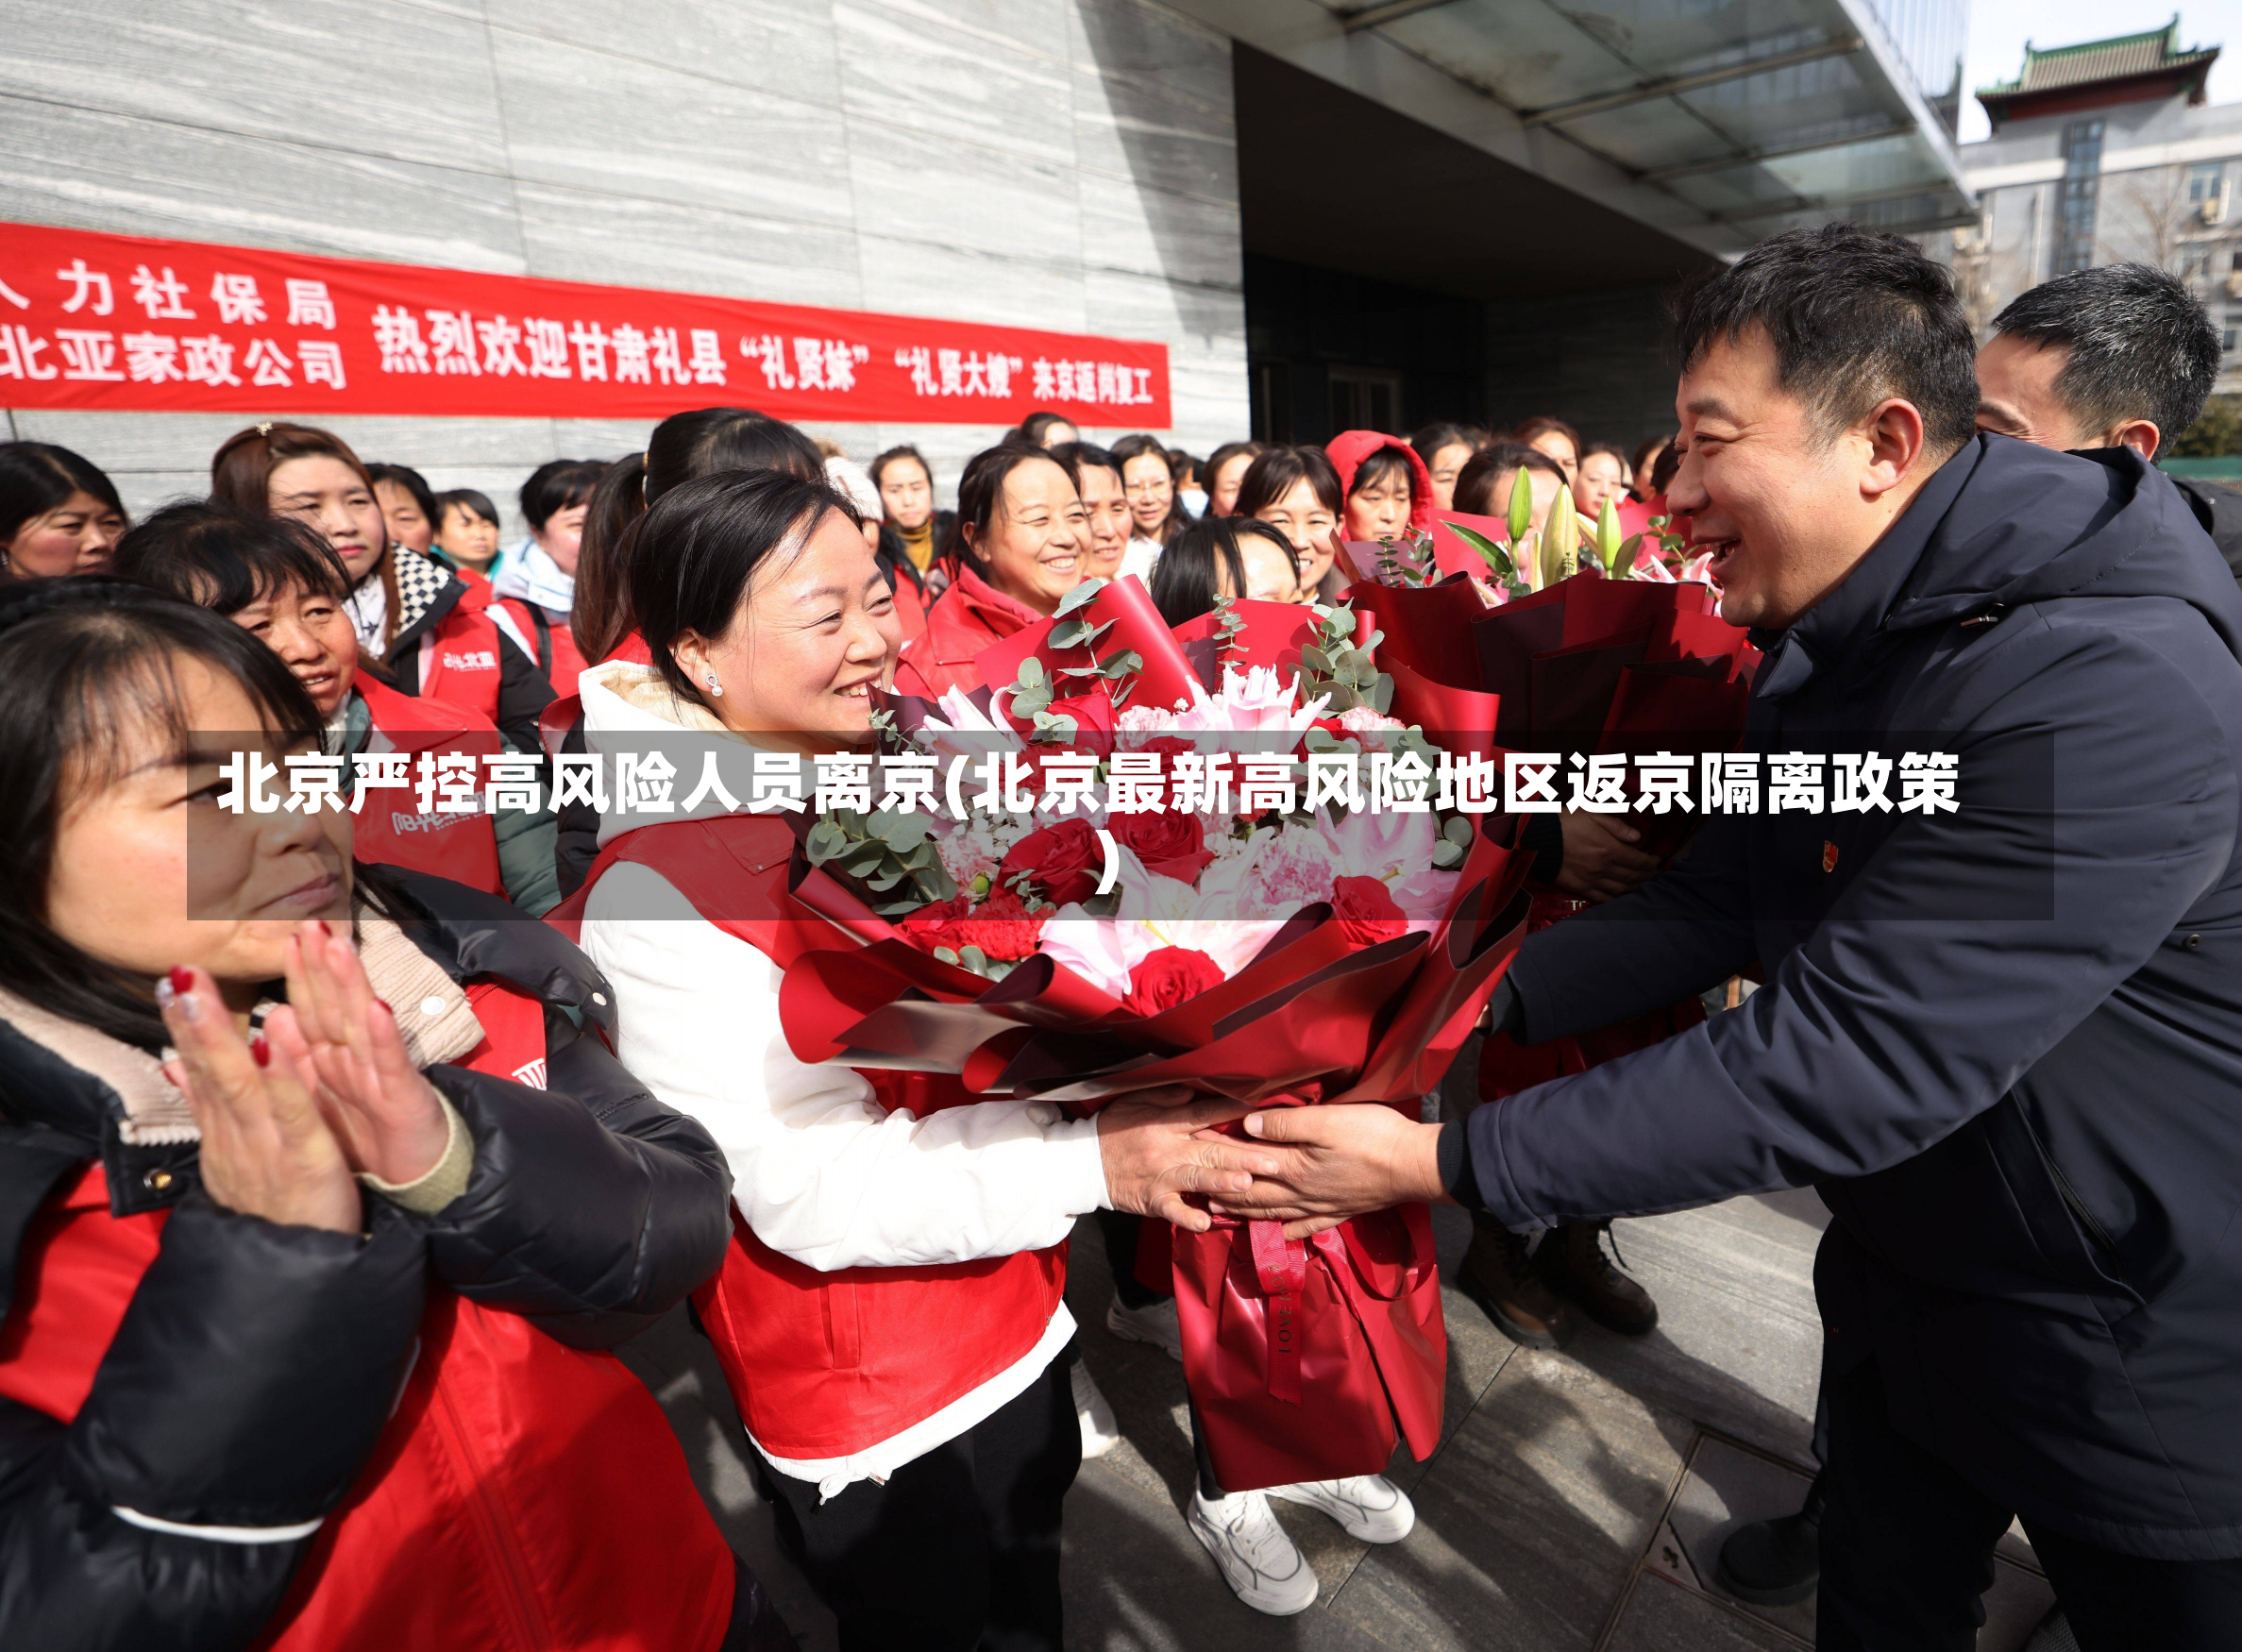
{"x":822,"y":1365}
{"x":524,"y":1496}
{"x":393,"y":830}
{"x":550,"y":643}
{"x":458,"y":657}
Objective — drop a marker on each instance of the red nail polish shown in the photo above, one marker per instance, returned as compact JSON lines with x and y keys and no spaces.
{"x":260,"y":1051}
{"x":181,"y":978}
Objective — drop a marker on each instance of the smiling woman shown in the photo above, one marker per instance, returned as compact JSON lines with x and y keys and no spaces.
{"x":265,"y":1202}
{"x":1022,"y":540}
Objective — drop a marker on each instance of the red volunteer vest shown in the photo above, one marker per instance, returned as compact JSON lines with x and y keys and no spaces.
{"x":393,"y":830}
{"x":822,"y":1365}
{"x":561,"y":661}
{"x":524,"y":1496}
{"x":458,"y":657}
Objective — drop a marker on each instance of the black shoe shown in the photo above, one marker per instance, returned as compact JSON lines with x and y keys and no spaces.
{"x":1774,"y":1562}
{"x":1498,"y":1275}
{"x":1572,"y":1259}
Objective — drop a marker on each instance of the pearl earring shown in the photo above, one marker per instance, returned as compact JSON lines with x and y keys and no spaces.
{"x":715,"y":687}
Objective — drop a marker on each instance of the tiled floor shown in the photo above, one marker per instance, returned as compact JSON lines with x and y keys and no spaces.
{"x":1577,"y":1501}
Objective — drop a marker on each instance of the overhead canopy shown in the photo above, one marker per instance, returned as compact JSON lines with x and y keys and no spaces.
{"x":1716,"y":123}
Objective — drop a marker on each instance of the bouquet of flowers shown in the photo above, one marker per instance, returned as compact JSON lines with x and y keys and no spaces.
{"x":1210,"y":856}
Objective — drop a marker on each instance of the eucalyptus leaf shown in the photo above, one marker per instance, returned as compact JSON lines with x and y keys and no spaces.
{"x":1459,"y":831}
{"x":1080,"y":596}
{"x":1446,"y":854}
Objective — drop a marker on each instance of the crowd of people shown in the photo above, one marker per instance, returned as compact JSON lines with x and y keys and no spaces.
{"x":330,"y":1187}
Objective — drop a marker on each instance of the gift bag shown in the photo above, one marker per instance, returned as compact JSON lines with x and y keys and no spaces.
{"x":1308,"y":1359}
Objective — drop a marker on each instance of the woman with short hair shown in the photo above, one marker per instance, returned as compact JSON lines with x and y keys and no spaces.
{"x":1296,"y":491}
{"x":58,"y":513}
{"x":427,"y":626}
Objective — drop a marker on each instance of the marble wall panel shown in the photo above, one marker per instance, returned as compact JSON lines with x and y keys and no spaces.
{"x":937,"y":70}
{"x":1150,"y":231}
{"x":917,"y":186}
{"x":375,"y":79}
{"x":921,"y":278}
{"x":592,"y":120}
{"x":589,"y":235}
{"x":785,"y":47}
{"x":64,"y":165}
{"x":1153,"y":98}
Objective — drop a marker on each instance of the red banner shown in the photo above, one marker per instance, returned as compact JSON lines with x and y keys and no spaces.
{"x":88,"y":320}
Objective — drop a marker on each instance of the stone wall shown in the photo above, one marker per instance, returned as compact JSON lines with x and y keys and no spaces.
{"x":1068,"y":165}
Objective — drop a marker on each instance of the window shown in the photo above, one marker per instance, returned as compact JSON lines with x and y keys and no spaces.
{"x":1365,"y":398}
{"x":2226,"y":341}
{"x":2077,"y":195}
{"x":2203,"y":183}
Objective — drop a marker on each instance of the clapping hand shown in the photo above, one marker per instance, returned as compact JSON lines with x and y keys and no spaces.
{"x":386,"y":1116}
{"x":266,"y":1150}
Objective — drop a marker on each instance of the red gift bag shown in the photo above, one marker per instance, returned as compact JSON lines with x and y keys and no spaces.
{"x":1309,"y":1360}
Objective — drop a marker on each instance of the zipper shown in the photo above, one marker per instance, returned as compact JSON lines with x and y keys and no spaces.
{"x":2086,"y":1219}
{"x":530,"y":1630}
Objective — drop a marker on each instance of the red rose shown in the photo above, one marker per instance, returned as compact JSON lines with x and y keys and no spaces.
{"x":1170,"y":976}
{"x":936,"y":925}
{"x":1094,"y":721}
{"x":1366,"y":911}
{"x":1173,"y":845}
{"x":1001,"y":927}
{"x":1064,"y":862}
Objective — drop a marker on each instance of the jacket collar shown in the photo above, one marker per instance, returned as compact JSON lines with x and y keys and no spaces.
{"x":1849,"y":618}
{"x":972,"y":615}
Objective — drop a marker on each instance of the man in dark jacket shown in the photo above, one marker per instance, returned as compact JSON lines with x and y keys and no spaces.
{"x":2120,"y":355}
{"x":2005,"y":1042}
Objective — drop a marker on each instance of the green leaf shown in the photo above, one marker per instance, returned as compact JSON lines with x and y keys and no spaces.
{"x":972,"y":957}
{"x":946,"y":955}
{"x":1080,"y":596}
{"x":1459,"y":831}
{"x":1121,"y":662}
{"x":1492,"y":554}
{"x":1445,"y":854}
{"x":1070,"y":634}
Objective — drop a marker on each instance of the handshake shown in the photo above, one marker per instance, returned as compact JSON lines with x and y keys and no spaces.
{"x":1310,"y":1168}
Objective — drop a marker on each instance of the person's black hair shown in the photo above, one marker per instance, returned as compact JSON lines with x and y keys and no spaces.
{"x":704,"y":440}
{"x":2141,"y":346}
{"x":1442,"y":433}
{"x":1546,"y":424}
{"x":690,"y":558}
{"x":1192,"y":570}
{"x":1475,"y":493}
{"x":901,"y":450}
{"x":478,"y":502}
{"x":1183,"y":467}
{"x":1383,"y":464}
{"x":980,"y":495}
{"x":221,"y":557}
{"x":557,"y":485}
{"x":1075,"y":455}
{"x":85,"y":662}
{"x":1036,"y":428}
{"x":1222,"y":455}
{"x":413,"y":483}
{"x":35,"y":477}
{"x":1613,"y":449}
{"x":1855,"y":318}
{"x":1663,"y":471}
{"x":1278,"y":471}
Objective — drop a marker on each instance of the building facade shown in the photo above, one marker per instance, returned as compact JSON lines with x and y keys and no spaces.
{"x":2106,"y":152}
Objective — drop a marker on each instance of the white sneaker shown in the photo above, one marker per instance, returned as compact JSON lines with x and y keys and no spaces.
{"x":1154,"y":1323}
{"x":1371,"y":1507}
{"x":1100,"y":1432}
{"x":1254,"y":1554}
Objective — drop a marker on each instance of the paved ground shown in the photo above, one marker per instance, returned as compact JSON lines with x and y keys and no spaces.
{"x":1575,"y":1502}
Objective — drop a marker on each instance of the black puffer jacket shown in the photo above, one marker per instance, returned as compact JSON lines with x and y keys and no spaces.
{"x":257,"y":1364}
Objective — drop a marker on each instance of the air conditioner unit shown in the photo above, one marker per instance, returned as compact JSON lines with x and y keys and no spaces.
{"x":2215,"y":209}
{"x":2234,"y":284}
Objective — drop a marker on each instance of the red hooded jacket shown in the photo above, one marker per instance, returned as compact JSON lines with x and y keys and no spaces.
{"x":1349,"y":448}
{"x":972,"y":616}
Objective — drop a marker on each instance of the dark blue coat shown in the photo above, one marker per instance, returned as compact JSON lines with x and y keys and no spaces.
{"x":2005,"y":1043}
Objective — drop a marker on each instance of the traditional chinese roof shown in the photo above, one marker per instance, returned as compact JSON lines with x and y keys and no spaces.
{"x":2124,"y":69}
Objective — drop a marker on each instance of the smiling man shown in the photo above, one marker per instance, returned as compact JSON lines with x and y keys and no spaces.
{"x":2004,"y":1042}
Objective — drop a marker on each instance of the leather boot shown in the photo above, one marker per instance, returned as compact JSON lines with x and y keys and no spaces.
{"x":1572,"y":1259}
{"x":1774,"y":1562}
{"x":1499,"y":1276}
